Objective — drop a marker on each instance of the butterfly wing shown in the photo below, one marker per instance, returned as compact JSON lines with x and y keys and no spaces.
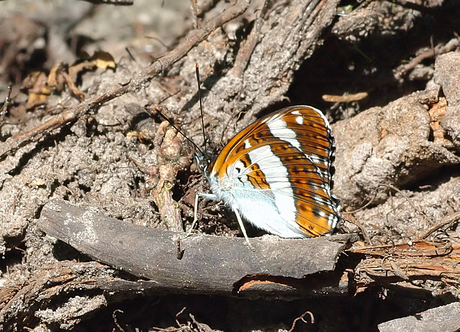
{"x":283,"y":163}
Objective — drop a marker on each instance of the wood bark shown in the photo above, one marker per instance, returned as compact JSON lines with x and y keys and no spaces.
{"x":199,"y":263}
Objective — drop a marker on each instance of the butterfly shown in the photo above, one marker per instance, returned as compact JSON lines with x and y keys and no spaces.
{"x":277,"y":174}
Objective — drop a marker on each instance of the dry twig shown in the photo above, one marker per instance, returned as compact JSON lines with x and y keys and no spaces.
{"x":302,"y":319}
{"x":446,"y":220}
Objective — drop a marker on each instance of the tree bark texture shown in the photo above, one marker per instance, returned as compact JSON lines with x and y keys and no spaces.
{"x":197,"y":263}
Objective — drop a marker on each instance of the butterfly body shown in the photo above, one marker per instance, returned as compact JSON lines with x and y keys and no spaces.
{"x":277,"y":174}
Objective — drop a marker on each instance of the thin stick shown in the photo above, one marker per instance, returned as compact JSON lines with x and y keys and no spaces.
{"x":302,"y":318}
{"x":446,"y":220}
{"x":352,"y":219}
{"x":421,"y":213}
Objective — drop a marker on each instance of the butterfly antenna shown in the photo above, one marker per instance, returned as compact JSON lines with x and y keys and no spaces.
{"x":201,"y":103}
{"x":175,"y":127}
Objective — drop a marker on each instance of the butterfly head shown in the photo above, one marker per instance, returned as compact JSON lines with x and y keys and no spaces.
{"x":205,"y":159}
{"x":202,"y":160}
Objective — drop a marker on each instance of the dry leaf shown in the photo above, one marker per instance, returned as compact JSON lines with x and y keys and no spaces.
{"x":99,"y":59}
{"x":37,"y":89}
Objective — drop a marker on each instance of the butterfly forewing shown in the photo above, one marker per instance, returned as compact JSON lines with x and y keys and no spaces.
{"x":283,"y":162}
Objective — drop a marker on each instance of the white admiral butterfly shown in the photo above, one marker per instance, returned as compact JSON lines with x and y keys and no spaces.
{"x":277,"y":174}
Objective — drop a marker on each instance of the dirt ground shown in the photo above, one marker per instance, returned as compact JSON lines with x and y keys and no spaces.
{"x":78,"y":86}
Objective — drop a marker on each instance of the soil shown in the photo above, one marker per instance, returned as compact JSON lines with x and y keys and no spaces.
{"x":79,"y":83}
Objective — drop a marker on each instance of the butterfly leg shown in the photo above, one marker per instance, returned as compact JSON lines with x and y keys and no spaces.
{"x":240,"y":222}
{"x":195,"y":209}
{"x":195,"y":215}
{"x":215,"y":198}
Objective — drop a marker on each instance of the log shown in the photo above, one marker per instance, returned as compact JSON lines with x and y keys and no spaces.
{"x":200,"y":263}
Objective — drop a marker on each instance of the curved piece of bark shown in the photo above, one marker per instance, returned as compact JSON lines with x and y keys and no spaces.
{"x":202,"y":264}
